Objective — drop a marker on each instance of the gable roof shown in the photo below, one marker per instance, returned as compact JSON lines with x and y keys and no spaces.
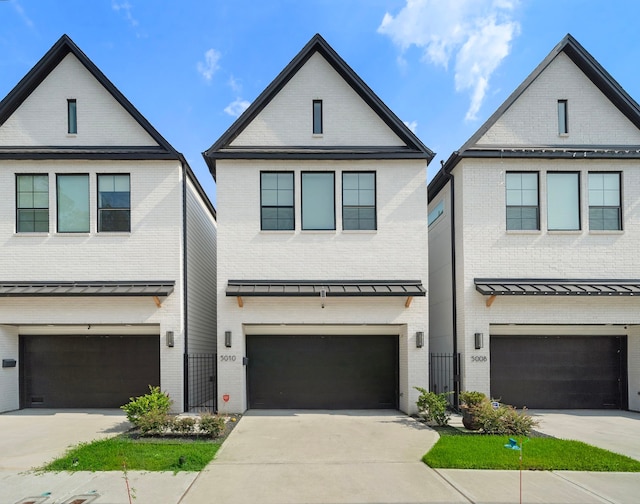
{"x":38,"y":74}
{"x":413,"y":149}
{"x":595,"y":73}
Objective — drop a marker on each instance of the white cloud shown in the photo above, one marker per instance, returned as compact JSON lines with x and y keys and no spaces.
{"x":210,"y":65}
{"x":476,"y":34}
{"x":413,"y":125}
{"x":237,"y":107}
{"x":21,"y":12}
{"x":126,"y":8}
{"x":234,"y":84}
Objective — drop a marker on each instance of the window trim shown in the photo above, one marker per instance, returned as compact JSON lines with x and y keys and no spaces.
{"x":98,"y":209}
{"x":579,"y":204}
{"x":537,"y":207}
{"x":317,"y":117}
{"x":302,"y":174}
{"x":72,"y":116}
{"x":293,"y":199}
{"x":375,"y":199}
{"x":18,"y":207}
{"x":620,"y":204}
{"x":563,"y":117}
{"x":88,"y":176}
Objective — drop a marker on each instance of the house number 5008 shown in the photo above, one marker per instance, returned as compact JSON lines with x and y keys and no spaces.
{"x":227,"y":358}
{"x":478,"y":358}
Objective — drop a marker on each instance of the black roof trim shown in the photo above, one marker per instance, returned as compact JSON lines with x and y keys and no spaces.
{"x":319,"y":45}
{"x":97,"y":152}
{"x":87,"y":288}
{"x":48,"y":63}
{"x":315,"y":153}
{"x":330,"y":288}
{"x":587,"y":64}
{"x":556,"y":287}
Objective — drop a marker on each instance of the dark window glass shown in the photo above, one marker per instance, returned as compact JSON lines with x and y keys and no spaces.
{"x":605,"y":212}
{"x":114,"y":203}
{"x":563,"y":117}
{"x":318,"y":201}
{"x":32,"y":203}
{"x":522,"y":201}
{"x":358,"y":200}
{"x":276,"y":201}
{"x":317,"y":117}
{"x":73,"y":203}
{"x":72,"y":117}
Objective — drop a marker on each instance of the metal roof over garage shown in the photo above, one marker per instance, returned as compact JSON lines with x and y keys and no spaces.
{"x":92,"y":289}
{"x":330,"y":288}
{"x":556,"y":287}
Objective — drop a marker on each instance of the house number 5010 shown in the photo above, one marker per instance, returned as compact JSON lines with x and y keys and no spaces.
{"x":227,"y":358}
{"x":478,"y":358}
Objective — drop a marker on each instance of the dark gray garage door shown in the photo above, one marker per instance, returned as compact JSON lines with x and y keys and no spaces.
{"x":87,"y":372}
{"x":322,"y":372}
{"x":559,"y":372}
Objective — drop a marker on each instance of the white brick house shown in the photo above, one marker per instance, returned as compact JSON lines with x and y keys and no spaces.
{"x":99,"y":295}
{"x":321,"y":246}
{"x":533,"y":243}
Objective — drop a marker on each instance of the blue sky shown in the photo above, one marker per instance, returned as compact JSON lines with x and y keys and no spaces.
{"x":443,"y":66}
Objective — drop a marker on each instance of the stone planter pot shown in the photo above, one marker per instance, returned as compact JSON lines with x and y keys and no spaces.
{"x":468,"y":420}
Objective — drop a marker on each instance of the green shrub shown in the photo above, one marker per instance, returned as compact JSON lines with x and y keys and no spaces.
{"x":472,"y":398}
{"x":433,"y":407}
{"x":153,"y":422}
{"x":211,"y":425}
{"x":155,"y":400}
{"x":504,"y":419}
{"x":183,"y":425}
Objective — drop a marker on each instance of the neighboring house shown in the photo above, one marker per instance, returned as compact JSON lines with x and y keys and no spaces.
{"x":321,"y":246}
{"x":108,"y":247}
{"x":536,"y":219}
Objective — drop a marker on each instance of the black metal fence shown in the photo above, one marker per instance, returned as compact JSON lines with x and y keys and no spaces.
{"x":201,"y":373}
{"x":444,"y":375}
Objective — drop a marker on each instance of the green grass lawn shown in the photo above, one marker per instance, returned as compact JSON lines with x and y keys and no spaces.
{"x":456,"y":450}
{"x":112,"y":454}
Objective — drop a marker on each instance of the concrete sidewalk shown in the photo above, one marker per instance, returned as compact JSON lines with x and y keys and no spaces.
{"x":373,"y":457}
{"x":293,"y":457}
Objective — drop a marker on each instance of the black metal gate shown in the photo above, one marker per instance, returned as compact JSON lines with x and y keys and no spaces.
{"x":444,"y":375}
{"x":201,"y":376}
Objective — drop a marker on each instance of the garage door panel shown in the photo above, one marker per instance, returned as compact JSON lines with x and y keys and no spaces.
{"x":87,"y":372}
{"x":322,"y":372}
{"x":558,"y":372}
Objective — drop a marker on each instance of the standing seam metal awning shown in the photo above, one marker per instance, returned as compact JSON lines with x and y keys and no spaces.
{"x":154,"y":289}
{"x":332,"y":288}
{"x":556,"y":287}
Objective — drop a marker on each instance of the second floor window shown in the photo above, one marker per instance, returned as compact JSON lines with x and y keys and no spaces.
{"x":318,"y":201}
{"x":73,"y":203}
{"x":604,"y":201}
{"x":32,"y":203}
{"x":114,"y":203}
{"x":563,"y":201}
{"x":522,"y":201}
{"x":276,"y":201}
{"x":358,"y":200}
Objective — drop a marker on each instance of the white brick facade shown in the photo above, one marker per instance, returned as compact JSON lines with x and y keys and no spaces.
{"x":152,"y":251}
{"x":485,"y":249}
{"x":396,"y":249}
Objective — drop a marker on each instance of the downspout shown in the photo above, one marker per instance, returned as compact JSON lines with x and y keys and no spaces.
{"x":185,"y":332}
{"x":454,"y":326}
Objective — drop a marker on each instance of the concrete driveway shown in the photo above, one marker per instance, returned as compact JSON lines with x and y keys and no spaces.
{"x":321,"y":457}
{"x":613,"y":430}
{"x":32,"y":437}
